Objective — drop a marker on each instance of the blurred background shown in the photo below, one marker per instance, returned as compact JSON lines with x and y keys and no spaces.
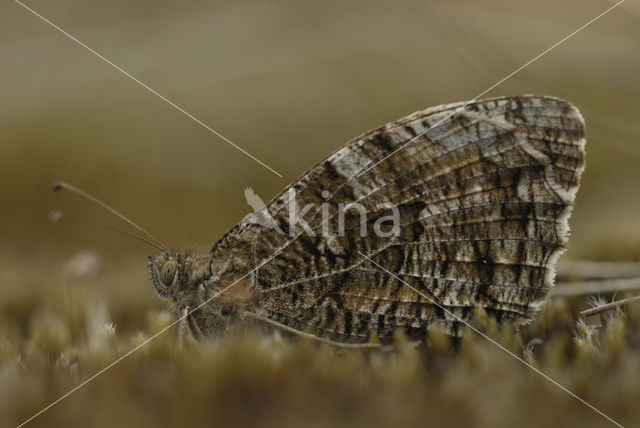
{"x":289,"y":82}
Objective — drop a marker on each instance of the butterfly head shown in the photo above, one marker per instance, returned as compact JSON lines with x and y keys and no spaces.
{"x":171,"y":274}
{"x":186,"y":279}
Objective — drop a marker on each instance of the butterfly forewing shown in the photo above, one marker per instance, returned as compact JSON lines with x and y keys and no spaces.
{"x":483,"y":193}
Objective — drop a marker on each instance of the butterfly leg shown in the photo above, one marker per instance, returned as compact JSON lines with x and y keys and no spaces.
{"x":184,"y":332}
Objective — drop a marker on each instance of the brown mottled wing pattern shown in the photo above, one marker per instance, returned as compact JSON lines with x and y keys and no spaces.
{"x":483,"y":199}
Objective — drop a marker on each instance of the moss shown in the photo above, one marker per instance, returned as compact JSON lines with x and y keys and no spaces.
{"x":255,"y":380}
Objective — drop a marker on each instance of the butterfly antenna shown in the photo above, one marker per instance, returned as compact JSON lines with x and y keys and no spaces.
{"x":56,"y":215}
{"x":60,"y":185}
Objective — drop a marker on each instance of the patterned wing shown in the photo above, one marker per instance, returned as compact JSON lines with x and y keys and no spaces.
{"x":482,"y":199}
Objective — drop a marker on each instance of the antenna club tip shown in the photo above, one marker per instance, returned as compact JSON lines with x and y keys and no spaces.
{"x":57,"y":186}
{"x":54,"y":215}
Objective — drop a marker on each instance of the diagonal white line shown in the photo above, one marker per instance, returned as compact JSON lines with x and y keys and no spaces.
{"x":147,"y":87}
{"x":144,"y":343}
{"x":493,"y":341}
{"x":493,"y":86}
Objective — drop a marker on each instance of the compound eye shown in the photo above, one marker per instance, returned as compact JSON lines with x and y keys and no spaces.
{"x":168,"y":272}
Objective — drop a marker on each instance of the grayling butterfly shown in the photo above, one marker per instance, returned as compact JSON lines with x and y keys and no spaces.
{"x":464,"y":205}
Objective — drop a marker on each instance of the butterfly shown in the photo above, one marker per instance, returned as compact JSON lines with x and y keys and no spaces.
{"x":480,"y":194}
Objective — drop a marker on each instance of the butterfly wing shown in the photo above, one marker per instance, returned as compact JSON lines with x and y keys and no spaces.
{"x":482,"y":198}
